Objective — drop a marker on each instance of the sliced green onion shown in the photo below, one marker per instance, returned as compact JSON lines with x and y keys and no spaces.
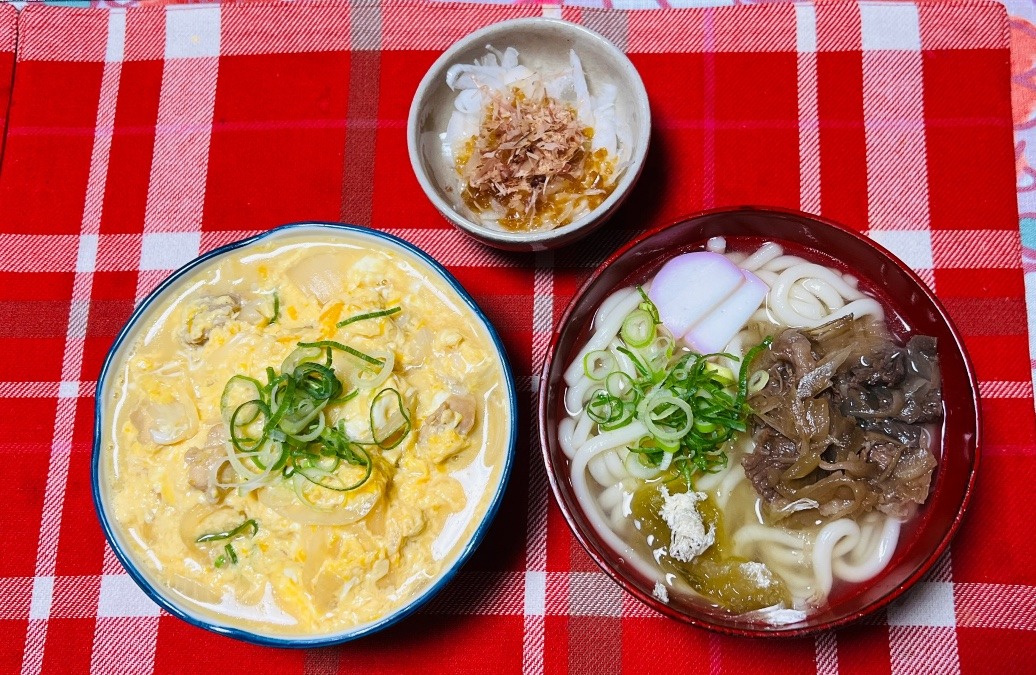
{"x":758,"y":381}
{"x":604,"y":408}
{"x":691,"y":406}
{"x":242,"y":383}
{"x":742,"y":380}
{"x":230,"y":534}
{"x":280,"y":428}
{"x":722,"y":374}
{"x":648,"y":306}
{"x":598,"y":364}
{"x":621,"y":385}
{"x":666,"y":417}
{"x":370,"y":379}
{"x":276,"y":310}
{"x":331,"y":344}
{"x":231,"y":553}
{"x":638,"y":365}
{"x":396,"y":436}
{"x":638,"y":329}
{"x":368,"y":315}
{"x":624,"y":415}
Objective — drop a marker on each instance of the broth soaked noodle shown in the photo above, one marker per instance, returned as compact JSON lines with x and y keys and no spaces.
{"x":809,"y":557}
{"x":606,"y":328}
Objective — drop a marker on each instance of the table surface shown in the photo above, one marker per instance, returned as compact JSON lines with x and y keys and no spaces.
{"x":137,"y":137}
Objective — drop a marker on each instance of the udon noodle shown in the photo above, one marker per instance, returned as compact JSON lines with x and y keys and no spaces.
{"x":776,"y":557}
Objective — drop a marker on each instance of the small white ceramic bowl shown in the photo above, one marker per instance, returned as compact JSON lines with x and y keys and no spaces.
{"x":542,"y":44}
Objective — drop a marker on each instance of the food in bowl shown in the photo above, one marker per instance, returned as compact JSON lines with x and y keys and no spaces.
{"x":304,"y":434}
{"x":533,"y":150}
{"x":750,"y":429}
{"x":544,"y":47}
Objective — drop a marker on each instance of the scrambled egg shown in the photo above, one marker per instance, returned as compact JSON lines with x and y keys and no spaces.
{"x":304,"y":570}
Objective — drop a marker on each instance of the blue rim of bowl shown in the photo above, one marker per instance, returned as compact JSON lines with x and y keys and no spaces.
{"x":400,"y":613}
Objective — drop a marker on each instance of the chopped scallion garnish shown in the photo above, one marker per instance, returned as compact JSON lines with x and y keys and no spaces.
{"x":331,"y":344}
{"x":281,"y":427}
{"x":691,"y":407}
{"x":369,"y":315}
{"x":276,"y":309}
{"x":249,"y":524}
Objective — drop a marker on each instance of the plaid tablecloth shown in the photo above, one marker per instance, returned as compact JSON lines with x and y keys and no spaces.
{"x":138,"y":138}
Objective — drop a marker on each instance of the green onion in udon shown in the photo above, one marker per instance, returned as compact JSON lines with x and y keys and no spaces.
{"x":690,"y":406}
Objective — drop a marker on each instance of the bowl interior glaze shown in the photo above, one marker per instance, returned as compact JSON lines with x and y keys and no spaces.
{"x":913,"y":310}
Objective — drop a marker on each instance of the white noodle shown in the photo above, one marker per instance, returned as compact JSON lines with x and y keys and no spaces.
{"x":754,"y":534}
{"x":716,"y":245}
{"x":823,"y":550}
{"x":566,"y":430}
{"x":609,"y":304}
{"x":615,"y":466}
{"x":598,"y":469}
{"x":766,"y":253}
{"x":611,"y":497}
{"x":870,"y":566}
{"x":582,"y":432}
{"x":575,"y":397}
{"x":780,"y":301}
{"x":824,"y":292}
{"x":801,"y":294}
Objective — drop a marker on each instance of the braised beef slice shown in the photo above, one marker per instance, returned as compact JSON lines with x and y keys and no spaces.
{"x":773,"y":455}
{"x":909,"y":483}
{"x":908,"y":435}
{"x":846,"y":400}
{"x":886,"y":368}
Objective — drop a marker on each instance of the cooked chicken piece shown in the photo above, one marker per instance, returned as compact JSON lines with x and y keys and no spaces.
{"x":207,"y":313}
{"x":456,"y":412}
{"x":205,"y":471}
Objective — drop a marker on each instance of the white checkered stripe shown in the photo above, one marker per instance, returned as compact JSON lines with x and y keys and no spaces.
{"x":932,"y":603}
{"x":85,"y":262}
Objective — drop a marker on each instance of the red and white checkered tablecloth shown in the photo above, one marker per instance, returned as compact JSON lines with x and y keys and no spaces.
{"x":137,"y":138}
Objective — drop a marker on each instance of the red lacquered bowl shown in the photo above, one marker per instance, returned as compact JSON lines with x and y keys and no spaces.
{"x":912,"y":310}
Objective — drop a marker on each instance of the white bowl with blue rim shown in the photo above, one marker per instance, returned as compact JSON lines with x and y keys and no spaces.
{"x":100,"y":468}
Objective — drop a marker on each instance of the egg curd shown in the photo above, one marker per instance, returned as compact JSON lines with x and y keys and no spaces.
{"x":305,"y":435}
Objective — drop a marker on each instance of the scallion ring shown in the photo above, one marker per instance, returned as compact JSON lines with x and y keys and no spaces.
{"x":368,"y":315}
{"x":638,"y":328}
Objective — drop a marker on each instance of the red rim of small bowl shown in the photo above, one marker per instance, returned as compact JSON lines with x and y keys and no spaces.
{"x":591,"y":546}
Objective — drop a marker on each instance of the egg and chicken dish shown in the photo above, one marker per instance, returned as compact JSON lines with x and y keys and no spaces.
{"x":304,"y":435}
